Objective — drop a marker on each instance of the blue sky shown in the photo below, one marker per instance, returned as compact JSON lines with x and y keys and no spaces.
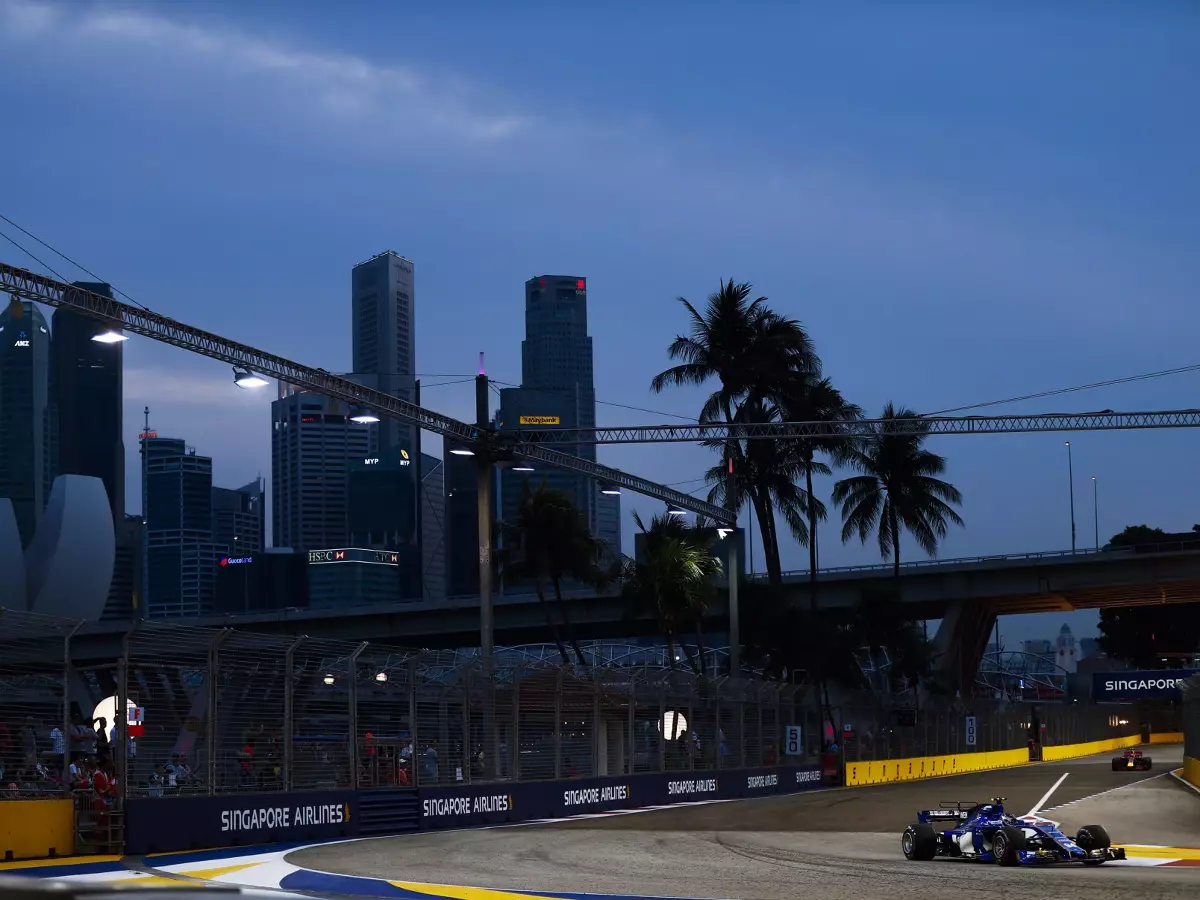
{"x":962,"y":202}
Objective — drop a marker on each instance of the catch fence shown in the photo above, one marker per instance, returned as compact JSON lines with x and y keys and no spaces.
{"x":220,"y":711}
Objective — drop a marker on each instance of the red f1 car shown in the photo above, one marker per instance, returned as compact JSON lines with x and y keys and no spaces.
{"x":1131,"y":759}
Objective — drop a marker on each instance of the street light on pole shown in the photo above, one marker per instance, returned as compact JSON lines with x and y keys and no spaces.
{"x":1071,"y":482}
{"x":1096,"y":510}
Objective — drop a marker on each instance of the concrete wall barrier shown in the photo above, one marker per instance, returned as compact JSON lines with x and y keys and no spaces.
{"x":916,"y":768}
{"x":1191,"y":771}
{"x":1167,"y":737}
{"x":1091,"y":748}
{"x":32,"y":829}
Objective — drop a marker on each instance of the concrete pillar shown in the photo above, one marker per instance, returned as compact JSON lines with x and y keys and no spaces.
{"x":961,"y":639}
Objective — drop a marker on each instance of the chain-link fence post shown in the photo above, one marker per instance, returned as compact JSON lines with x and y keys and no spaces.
{"x":289,"y":710}
{"x":558,"y":714}
{"x":66,"y":704}
{"x":212,"y":683}
{"x":121,"y":757}
{"x":352,"y":712}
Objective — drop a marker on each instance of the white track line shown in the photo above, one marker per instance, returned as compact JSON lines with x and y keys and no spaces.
{"x":1046,"y":796}
{"x":1187,"y":784}
{"x":1120,"y":787}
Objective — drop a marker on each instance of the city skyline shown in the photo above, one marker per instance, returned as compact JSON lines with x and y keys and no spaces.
{"x":939,"y":258}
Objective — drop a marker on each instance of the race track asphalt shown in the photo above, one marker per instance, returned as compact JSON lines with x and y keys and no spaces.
{"x":840,"y":844}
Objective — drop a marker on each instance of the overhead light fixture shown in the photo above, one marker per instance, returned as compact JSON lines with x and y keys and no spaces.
{"x":611,"y":490}
{"x":523,"y":467}
{"x":112,"y":336}
{"x":244,"y":378}
{"x":363,"y":416}
{"x":381,"y":677}
{"x":329,"y":679}
{"x":462,"y":451}
{"x":723,"y":533}
{"x":676,"y":511}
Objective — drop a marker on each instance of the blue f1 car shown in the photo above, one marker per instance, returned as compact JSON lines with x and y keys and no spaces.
{"x":984,"y":832}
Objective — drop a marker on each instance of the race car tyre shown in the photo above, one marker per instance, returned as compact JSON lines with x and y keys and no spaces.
{"x":1093,"y":837}
{"x":1007,"y":843}
{"x":1146,"y":763}
{"x":1118,"y":765}
{"x":919,"y":842}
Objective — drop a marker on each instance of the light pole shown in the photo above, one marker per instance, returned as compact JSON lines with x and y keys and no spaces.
{"x":1071,"y":482}
{"x":1096,"y":510}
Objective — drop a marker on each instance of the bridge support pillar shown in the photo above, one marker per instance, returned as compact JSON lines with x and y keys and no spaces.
{"x":960,"y":641}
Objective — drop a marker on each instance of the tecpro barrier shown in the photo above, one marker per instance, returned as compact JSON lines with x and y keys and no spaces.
{"x":1191,"y":771}
{"x":457,"y":807}
{"x":1167,"y":737}
{"x":164,"y":824}
{"x":32,"y":829}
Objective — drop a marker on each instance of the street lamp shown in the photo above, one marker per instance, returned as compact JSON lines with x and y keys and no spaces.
{"x":522,"y":467}
{"x":462,"y":451}
{"x":112,"y":336}
{"x":676,"y":511}
{"x":1071,"y":484}
{"x":610,"y":490}
{"x":363,"y":417}
{"x":244,"y":378}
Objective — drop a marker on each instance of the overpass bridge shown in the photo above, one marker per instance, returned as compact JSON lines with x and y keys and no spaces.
{"x":965,"y":594}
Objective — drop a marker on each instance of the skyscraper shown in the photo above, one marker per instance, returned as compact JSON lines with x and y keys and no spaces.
{"x":87,"y":386}
{"x":557,"y":382}
{"x":313,"y":443}
{"x":433,"y":527}
{"x":28,"y":452}
{"x":238,"y":518}
{"x":179,"y":572}
{"x":384,"y":328}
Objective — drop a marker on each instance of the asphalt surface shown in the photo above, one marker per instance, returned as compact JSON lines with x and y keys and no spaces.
{"x":841,"y":844}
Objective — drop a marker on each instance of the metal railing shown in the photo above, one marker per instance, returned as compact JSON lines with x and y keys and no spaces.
{"x":1180,"y":546}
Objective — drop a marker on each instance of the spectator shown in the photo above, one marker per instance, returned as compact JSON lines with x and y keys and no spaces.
{"x":28,"y":744}
{"x":429,"y":764}
{"x":83,"y":739}
{"x":103,"y":753}
{"x":58,"y":747}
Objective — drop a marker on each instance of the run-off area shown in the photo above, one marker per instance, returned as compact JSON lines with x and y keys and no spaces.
{"x":834,"y":844}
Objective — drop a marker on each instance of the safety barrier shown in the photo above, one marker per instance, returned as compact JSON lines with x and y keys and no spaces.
{"x":168,"y":824}
{"x":32,"y":829}
{"x":864,"y":773}
{"x":1190,"y":691}
{"x":1167,"y":737}
{"x":915,"y":768}
{"x":1091,"y":748}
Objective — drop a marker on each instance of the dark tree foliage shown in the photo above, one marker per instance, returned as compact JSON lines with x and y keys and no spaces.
{"x":1150,"y":637}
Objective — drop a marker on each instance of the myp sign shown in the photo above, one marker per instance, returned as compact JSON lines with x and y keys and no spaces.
{"x":1153,"y":684}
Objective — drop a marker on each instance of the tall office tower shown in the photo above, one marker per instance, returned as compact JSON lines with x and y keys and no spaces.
{"x":313,"y":443}
{"x":384,"y":328}
{"x":433,"y":528}
{"x":461,"y":517}
{"x":238,"y":519}
{"x":179,"y":571}
{"x":28,"y":455}
{"x":125,"y":592}
{"x":87,"y":379}
{"x":557,"y":387}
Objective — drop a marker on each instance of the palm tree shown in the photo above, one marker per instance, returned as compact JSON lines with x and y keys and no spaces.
{"x":765,"y":473}
{"x":741,"y":342}
{"x":813,"y":399}
{"x":547,"y":542}
{"x":897,"y":489}
{"x":675,"y":579}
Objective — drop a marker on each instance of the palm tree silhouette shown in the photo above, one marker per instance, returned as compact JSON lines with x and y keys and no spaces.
{"x":896,"y":490}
